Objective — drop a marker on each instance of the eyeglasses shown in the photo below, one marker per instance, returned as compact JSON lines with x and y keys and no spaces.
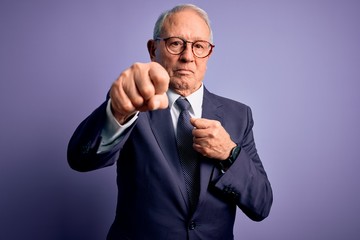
{"x":177,"y":45}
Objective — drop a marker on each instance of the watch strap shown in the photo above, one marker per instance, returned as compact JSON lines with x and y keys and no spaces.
{"x":225,"y":164}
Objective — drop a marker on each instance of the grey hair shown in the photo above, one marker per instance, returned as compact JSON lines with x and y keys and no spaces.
{"x":160,"y":21}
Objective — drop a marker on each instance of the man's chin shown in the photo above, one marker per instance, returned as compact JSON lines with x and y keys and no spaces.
{"x":183,"y":86}
{"x":181,"y":82}
{"x":182,"y":78}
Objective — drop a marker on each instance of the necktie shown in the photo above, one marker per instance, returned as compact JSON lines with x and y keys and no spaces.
{"x":188,"y":156}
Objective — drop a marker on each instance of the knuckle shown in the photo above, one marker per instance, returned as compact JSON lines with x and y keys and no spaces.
{"x":137,"y":102}
{"x":212,"y":134}
{"x":115,"y":85}
{"x":206,"y":152}
{"x":216,"y":123}
{"x":147,"y":91}
{"x":137,"y":66}
{"x":124,"y":75}
{"x":127,"y":106}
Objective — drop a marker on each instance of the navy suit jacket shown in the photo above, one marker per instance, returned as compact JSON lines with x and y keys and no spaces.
{"x":151,"y":190}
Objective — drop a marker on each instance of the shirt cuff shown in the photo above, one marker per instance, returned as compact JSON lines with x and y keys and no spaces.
{"x":113,"y":129}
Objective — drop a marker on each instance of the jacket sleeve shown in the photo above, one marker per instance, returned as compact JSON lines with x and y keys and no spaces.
{"x":82,"y":148}
{"x":246,"y":182}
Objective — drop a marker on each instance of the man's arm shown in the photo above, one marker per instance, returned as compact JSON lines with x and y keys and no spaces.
{"x":112,"y":130}
{"x":85,"y":152}
{"x":97,"y":141}
{"x":246,"y":182}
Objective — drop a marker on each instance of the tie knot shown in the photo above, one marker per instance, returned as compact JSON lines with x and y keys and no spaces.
{"x":183,"y":103}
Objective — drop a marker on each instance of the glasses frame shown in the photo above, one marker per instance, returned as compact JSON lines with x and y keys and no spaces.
{"x":185,"y":46}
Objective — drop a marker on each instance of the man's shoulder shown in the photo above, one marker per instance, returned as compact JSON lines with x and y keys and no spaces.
{"x":224,"y":101}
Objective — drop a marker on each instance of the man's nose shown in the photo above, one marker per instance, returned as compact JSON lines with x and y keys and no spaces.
{"x":187,"y":55}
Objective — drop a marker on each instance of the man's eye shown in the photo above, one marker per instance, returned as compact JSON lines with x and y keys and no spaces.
{"x":176,"y":43}
{"x":199,"y":46}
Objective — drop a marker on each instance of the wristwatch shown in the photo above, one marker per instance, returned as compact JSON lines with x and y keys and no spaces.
{"x":225,"y":164}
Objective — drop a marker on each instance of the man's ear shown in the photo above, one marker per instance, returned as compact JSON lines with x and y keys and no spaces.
{"x":151,"y":49}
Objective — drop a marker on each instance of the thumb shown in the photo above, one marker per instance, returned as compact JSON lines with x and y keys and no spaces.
{"x":196,"y":122}
{"x":201,"y":123}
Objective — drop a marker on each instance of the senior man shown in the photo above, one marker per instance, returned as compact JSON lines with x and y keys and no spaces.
{"x":186,"y":158}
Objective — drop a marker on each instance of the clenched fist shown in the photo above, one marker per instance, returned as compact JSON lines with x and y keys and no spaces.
{"x":211,"y":139}
{"x":142,"y":87}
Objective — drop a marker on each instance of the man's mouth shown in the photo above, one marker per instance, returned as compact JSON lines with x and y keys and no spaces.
{"x":183,"y":71}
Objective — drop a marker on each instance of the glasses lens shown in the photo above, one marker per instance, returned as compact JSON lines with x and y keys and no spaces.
{"x":201,"y":48}
{"x":175,"y":45}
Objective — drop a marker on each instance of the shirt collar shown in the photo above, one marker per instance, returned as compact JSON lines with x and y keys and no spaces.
{"x":195,"y":99}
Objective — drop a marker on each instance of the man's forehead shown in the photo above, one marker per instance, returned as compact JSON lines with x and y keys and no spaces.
{"x":186,"y":22}
{"x":187,"y":15}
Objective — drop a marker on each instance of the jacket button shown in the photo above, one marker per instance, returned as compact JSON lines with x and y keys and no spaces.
{"x":192,"y":225}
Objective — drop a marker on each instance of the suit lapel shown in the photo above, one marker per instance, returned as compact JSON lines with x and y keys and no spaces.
{"x":162,"y":127}
{"x":211,"y":109}
{"x":161,"y":124}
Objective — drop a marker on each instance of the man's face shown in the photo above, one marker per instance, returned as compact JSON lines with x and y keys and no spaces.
{"x":186,"y":71}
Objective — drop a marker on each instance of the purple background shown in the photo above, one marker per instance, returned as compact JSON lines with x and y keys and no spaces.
{"x":296,"y":63}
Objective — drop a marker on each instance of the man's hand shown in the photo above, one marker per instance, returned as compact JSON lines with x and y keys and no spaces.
{"x":211,"y":139}
{"x":142,"y":87}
